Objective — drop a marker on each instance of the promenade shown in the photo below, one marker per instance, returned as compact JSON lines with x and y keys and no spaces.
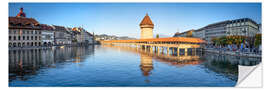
{"x":234,"y":53}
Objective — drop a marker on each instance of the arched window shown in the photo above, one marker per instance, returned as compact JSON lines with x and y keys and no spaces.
{"x":35,"y":43}
{"x":14,"y":44}
{"x":23,"y":44}
{"x":19,"y":44}
{"x":19,"y":37}
{"x":32,"y":37}
{"x":35,"y":37}
{"x":10,"y":38}
{"x":14,"y":37}
{"x":32,"y":44}
{"x":10,"y":44}
{"x":27,"y":38}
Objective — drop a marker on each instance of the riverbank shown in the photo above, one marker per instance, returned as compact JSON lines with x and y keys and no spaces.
{"x":234,"y":53}
{"x":47,"y":47}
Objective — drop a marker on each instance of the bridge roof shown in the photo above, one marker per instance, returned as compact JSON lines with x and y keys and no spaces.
{"x":170,"y":39}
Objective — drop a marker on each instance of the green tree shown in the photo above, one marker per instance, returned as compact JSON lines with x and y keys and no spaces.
{"x":258,"y":40}
{"x":157,"y":36}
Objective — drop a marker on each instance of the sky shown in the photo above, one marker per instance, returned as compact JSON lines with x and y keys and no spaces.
{"x":123,"y":19}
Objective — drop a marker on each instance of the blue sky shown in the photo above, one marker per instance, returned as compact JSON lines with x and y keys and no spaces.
{"x":123,"y":19}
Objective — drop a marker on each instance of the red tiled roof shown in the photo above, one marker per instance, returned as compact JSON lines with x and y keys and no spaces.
{"x":170,"y":39}
{"x":21,"y":14}
{"x":46,"y":27}
{"x":22,"y":21}
{"x":146,"y":21}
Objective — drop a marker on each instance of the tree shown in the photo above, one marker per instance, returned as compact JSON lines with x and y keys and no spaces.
{"x":157,"y":36}
{"x":258,"y":40}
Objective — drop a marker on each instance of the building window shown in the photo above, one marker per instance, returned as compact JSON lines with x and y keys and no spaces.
{"x":32,"y":37}
{"x":9,"y":37}
{"x":32,"y":32}
{"x":23,"y":37}
{"x":14,"y":31}
{"x":39,"y":32}
{"x":35,"y":37}
{"x":14,"y":37}
{"x":27,"y":38}
{"x":19,"y":38}
{"x":23,"y":32}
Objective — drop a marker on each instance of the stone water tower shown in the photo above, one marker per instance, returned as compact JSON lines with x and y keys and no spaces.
{"x":146,"y":28}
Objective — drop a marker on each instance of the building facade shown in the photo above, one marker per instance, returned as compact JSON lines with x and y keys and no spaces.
{"x":200,"y":33}
{"x":215,"y":30}
{"x":61,"y":35}
{"x":147,"y":27}
{"x":82,"y":37}
{"x":189,"y":33}
{"x":23,"y":31}
{"x":242,"y":27}
{"x":260,"y":29}
{"x":47,"y":33}
{"x":28,"y":32}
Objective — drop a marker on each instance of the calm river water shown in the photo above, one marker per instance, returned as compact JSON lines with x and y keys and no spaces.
{"x":121,"y":66}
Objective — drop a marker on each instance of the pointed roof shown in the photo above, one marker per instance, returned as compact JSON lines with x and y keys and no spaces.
{"x":146,"y":20}
{"x":21,"y":13}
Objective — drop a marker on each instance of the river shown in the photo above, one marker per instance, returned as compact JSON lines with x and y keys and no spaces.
{"x":113,"y":66}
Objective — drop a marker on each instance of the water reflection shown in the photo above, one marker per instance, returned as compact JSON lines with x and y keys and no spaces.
{"x":225,"y":65}
{"x":122,"y":66}
{"x":24,"y":63}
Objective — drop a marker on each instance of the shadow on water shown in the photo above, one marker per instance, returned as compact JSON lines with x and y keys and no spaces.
{"x":27,"y":62}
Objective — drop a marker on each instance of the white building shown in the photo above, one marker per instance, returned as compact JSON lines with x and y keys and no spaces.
{"x":243,"y":27}
{"x":47,"y":33}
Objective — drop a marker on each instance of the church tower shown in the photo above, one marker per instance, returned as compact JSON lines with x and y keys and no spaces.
{"x":21,"y":14}
{"x":146,"y":28}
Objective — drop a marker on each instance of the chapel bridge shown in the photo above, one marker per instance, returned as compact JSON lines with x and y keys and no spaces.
{"x":172,"y":45}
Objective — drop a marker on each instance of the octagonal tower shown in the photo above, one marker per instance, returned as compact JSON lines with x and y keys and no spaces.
{"x":146,"y":28}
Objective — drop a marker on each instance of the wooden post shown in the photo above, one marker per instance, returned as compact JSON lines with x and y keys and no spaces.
{"x":177,"y":51}
{"x":186,"y":51}
{"x":158,"y":50}
{"x":195,"y":51}
{"x":151,"y":49}
{"x":168,"y":50}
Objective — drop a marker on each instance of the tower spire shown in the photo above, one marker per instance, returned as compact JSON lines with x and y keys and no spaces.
{"x":21,"y":13}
